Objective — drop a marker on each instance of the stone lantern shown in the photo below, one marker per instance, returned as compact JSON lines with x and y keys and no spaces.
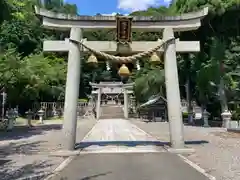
{"x":54,"y":110}
{"x":11,"y":119}
{"x":40,"y":114}
{"x":205,"y":118}
{"x":226,"y":117}
{"x":29,"y":114}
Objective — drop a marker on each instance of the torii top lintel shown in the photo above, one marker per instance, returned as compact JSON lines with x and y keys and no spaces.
{"x":183,"y":22}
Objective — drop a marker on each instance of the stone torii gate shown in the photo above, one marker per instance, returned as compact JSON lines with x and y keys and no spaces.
{"x":101,"y":87}
{"x":167,"y":25}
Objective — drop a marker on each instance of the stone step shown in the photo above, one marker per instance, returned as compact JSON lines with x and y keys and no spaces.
{"x":111,"y":112}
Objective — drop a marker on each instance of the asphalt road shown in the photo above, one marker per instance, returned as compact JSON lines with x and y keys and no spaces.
{"x":129,"y":166}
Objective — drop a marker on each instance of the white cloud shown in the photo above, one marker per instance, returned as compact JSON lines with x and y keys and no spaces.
{"x":137,"y":5}
{"x":112,"y":14}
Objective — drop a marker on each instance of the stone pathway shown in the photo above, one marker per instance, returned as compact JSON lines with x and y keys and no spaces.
{"x":118,"y":135}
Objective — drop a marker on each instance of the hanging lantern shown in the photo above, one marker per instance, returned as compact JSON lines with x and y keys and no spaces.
{"x":92,"y":59}
{"x":155,"y":58}
{"x":124,"y":71}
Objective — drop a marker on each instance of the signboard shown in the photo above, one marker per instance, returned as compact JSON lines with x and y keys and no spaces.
{"x":124,"y":29}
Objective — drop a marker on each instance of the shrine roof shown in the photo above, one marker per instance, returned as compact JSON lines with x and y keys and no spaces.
{"x":152,"y":100}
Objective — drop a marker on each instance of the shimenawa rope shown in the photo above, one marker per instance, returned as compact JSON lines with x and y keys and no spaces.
{"x":124,"y":59}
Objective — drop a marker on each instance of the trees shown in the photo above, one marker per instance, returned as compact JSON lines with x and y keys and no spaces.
{"x":218,"y":36}
{"x":26,"y":73}
{"x":219,"y":39}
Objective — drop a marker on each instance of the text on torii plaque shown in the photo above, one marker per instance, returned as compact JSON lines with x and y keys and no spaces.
{"x":124,"y":29}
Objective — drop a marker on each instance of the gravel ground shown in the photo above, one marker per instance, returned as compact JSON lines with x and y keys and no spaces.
{"x":25,"y":152}
{"x":217,"y":151}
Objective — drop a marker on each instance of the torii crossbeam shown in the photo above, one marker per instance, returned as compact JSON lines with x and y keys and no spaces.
{"x":111,"y":46}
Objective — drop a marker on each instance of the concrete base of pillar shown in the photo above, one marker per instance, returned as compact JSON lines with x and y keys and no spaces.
{"x":65,"y":153}
{"x":181,"y":151}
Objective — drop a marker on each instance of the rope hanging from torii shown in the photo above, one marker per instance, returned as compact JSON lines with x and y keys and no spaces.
{"x":122,"y":59}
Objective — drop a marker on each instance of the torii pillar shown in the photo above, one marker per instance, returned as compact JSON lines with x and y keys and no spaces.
{"x":172,"y":91}
{"x":72,"y":91}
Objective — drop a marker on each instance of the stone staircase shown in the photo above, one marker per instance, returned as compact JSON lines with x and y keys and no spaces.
{"x":111,"y":112}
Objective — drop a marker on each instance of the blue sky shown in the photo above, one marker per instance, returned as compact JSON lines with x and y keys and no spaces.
{"x":92,"y":7}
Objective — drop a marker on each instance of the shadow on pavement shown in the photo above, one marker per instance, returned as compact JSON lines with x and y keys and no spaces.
{"x":95,"y":176}
{"x":20,"y":132}
{"x":24,"y":148}
{"x":119,"y":143}
{"x":84,"y":178}
{"x":86,"y":144}
{"x":199,"y":123}
{"x":29,"y":171}
{"x":23,"y":170}
{"x":4,"y":161}
{"x":196,"y":142}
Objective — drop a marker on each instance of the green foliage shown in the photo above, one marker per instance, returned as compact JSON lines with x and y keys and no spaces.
{"x":32,"y":76}
{"x":25,"y":73}
{"x":149,"y":81}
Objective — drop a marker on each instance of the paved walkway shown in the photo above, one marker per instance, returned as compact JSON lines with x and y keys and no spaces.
{"x":119,"y":135}
{"x":119,"y":150}
{"x":129,"y":166}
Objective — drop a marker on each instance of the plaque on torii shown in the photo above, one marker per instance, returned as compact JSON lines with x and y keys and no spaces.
{"x":124,"y":29}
